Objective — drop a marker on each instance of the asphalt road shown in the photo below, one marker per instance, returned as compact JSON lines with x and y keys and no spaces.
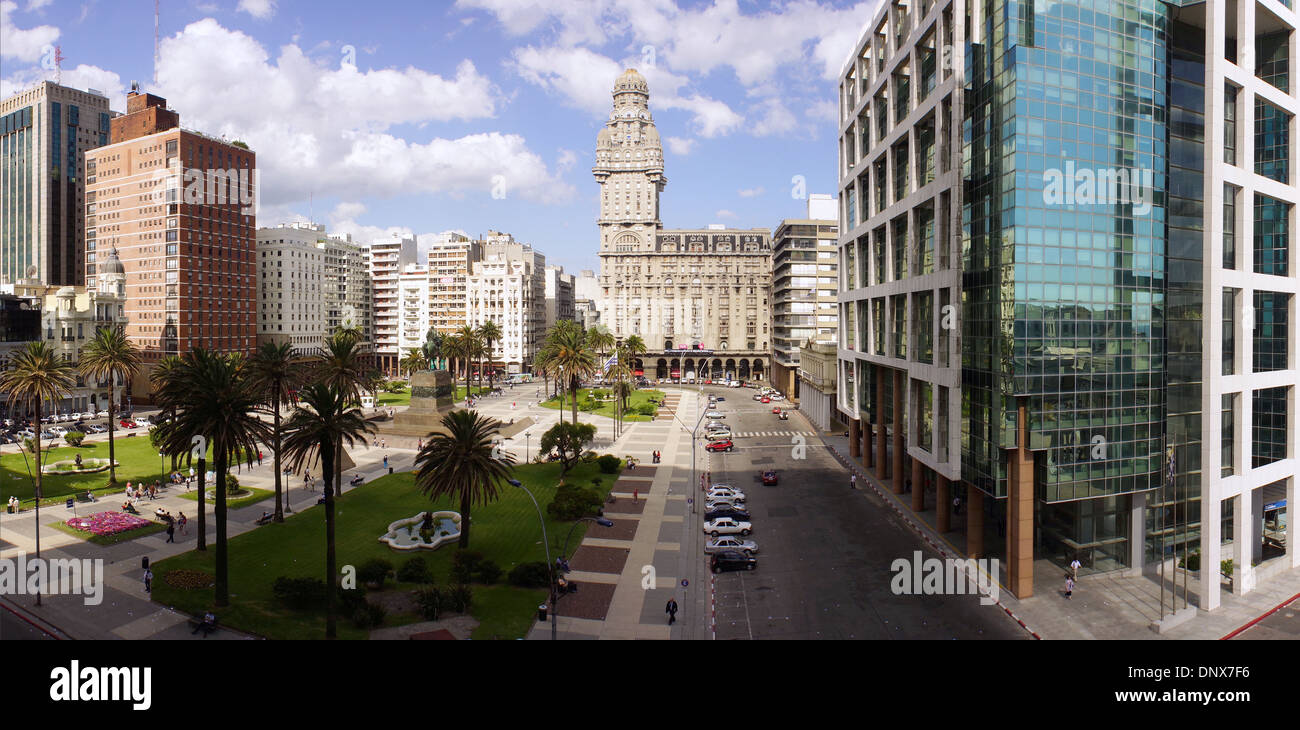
{"x":824,"y":551}
{"x":13,"y":628}
{"x":1283,"y":625}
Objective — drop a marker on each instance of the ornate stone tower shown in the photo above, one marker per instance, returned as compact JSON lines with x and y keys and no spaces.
{"x":630,"y":170}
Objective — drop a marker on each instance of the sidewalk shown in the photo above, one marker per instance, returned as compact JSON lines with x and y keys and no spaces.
{"x":1104,"y":606}
{"x":126,"y":611}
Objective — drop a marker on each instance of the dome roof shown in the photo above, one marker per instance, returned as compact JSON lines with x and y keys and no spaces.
{"x":631,"y":80}
{"x":113,"y":265}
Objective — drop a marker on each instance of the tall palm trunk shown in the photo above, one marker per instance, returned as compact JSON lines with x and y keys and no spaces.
{"x":37,"y":489}
{"x":112,"y":468}
{"x":279,"y":495}
{"x":489,"y":374}
{"x":464,"y":520}
{"x":203,"y":498}
{"x":223,"y":567}
{"x":573,"y":391}
{"x":331,"y":572}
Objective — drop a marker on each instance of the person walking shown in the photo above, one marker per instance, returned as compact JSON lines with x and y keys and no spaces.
{"x":636,"y":494}
{"x":148,"y":581}
{"x":171,"y":532}
{"x":671,"y":610}
{"x":853,"y":481}
{"x":385,"y":462}
{"x":182,"y":520}
{"x":1074,"y":568}
{"x":956,"y":504}
{"x":1069,"y":587}
{"x":259,"y":457}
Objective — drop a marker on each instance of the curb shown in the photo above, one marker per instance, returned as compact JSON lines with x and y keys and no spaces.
{"x":920,"y":532}
{"x":1244,"y":627}
{"x":48,"y":629}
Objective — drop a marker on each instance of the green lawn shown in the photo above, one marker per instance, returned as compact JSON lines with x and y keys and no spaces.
{"x":505,"y":531}
{"x":255,"y":495}
{"x":137,"y":459}
{"x":606,"y":408}
{"x":404,"y":398}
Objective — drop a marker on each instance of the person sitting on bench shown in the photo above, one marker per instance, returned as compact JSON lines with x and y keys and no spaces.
{"x":207,"y":625}
{"x":128,"y":507}
{"x":265,"y":518}
{"x":356,"y":480}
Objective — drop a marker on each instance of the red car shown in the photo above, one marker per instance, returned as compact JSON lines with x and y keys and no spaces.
{"x":769,"y":478}
{"x":777,"y":410}
{"x":124,"y":423}
{"x":719,"y":446}
{"x":765,"y":399}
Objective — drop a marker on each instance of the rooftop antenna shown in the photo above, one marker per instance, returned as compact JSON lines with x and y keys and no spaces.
{"x":155,"y":44}
{"x":58,"y":65}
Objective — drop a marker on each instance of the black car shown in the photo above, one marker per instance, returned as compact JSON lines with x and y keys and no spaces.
{"x":739,"y":515}
{"x":731,"y":560}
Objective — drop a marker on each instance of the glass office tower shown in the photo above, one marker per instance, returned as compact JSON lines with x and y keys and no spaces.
{"x":1121,"y":276}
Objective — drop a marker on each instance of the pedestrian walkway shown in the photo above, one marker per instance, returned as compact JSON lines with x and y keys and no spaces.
{"x":760,"y":434}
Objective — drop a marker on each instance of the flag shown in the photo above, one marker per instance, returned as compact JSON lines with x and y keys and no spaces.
{"x":611,"y":362}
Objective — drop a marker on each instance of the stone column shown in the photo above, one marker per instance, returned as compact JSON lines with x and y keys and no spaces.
{"x":918,"y":486}
{"x":855,"y":438}
{"x":942,"y":506}
{"x":1020,"y":512}
{"x":868,"y":450}
{"x":900,"y":432}
{"x":974,"y":522}
{"x":882,"y":445}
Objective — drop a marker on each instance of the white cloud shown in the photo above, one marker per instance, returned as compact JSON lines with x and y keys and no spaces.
{"x":24,"y":45}
{"x":312,"y":134}
{"x":37,"y":4}
{"x":751,"y":192}
{"x":724,"y":213}
{"x":260,"y":9}
{"x":776,"y":119}
{"x":81,"y":77}
{"x":348,"y":210}
{"x":680,"y":145}
{"x":566,"y":159}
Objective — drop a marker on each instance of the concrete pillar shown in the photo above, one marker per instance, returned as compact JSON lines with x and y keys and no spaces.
{"x":918,"y":486}
{"x":974,"y":522}
{"x":899,"y":422}
{"x":942,"y":503}
{"x":1020,"y":512}
{"x":1291,"y":551}
{"x":1243,"y":579}
{"x":882,"y":445}
{"x":868,"y":448}
{"x":855,"y":438}
{"x":1137,"y":535}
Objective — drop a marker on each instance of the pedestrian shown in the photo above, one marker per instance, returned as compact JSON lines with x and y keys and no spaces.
{"x":853,"y":481}
{"x":259,"y":457}
{"x":956,"y":504}
{"x":1069,"y":587}
{"x":671,"y":610}
{"x":636,"y":494}
{"x":383,"y":443}
{"x":148,"y":581}
{"x":1074,"y":568}
{"x":385,"y":462}
{"x":182,"y":520}
{"x":419,"y":445}
{"x":376,"y":444}
{"x":171,"y":532}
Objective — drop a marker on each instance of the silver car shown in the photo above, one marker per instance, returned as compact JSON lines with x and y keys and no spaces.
{"x":730,"y":542}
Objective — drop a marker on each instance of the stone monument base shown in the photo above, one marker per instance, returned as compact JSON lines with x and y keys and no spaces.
{"x":431,"y":399}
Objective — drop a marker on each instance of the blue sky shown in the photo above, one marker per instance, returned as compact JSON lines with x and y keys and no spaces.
{"x":388,"y":115}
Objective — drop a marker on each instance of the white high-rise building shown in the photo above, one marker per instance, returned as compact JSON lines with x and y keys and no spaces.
{"x":387,"y":259}
{"x":559,"y":296}
{"x":451,"y":259}
{"x":413,"y":305}
{"x":291,"y":279}
{"x":509,"y":286}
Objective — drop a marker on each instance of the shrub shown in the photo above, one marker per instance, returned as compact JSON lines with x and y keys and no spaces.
{"x":588,"y":457}
{"x":465,"y":564}
{"x":415,"y":570}
{"x":647,"y":409}
{"x":232,"y":484}
{"x":352,"y":600}
{"x":431,"y":603}
{"x":572,"y":502}
{"x":369,"y":616}
{"x":530,"y":575}
{"x":489,"y":572}
{"x":459,"y":597}
{"x":609,"y":464}
{"x":74,"y":438}
{"x":299,"y":593}
{"x":588,"y":406}
{"x":373,"y":572}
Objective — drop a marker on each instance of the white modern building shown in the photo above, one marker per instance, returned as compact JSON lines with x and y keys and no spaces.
{"x":451,"y":259}
{"x":559,"y":296}
{"x":292,"y":283}
{"x":414,"y":301}
{"x":387,"y":258}
{"x":509,"y":286}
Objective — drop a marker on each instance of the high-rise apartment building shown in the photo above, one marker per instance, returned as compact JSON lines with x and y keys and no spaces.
{"x":179,"y":207}
{"x":292,"y":279}
{"x":347,"y":287}
{"x":700,"y":299}
{"x":559,"y":296}
{"x":387,"y":259}
{"x":414,"y":301}
{"x":1068,"y":289}
{"x":805,"y":262}
{"x":508,"y":286}
{"x":451,"y":260}
{"x":45,"y":132}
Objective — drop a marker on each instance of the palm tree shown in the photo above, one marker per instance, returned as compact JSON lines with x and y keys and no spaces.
{"x":110,"y":356}
{"x":36,"y":374}
{"x":169,"y":393}
{"x":217,"y":400}
{"x":413,"y":361}
{"x":460,"y":464}
{"x":490,"y":333}
{"x":162,"y":373}
{"x":273,"y":373}
{"x":573,"y":356}
{"x":543,"y":362}
{"x":633,"y":348}
{"x":341,"y":367}
{"x":324,"y":420}
{"x":471,"y":348}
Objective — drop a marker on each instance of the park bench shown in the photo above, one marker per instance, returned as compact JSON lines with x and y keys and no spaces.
{"x":197,"y":624}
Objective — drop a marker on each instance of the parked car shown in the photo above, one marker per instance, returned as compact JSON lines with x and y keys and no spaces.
{"x":715,"y":426}
{"x":720,"y":492}
{"x":58,"y":430}
{"x":731,"y":560}
{"x":725,"y":445}
{"x":716,"y":504}
{"x":730,"y":542}
{"x":102,"y":414}
{"x":784,"y":416}
{"x":144,"y":421}
{"x":95,"y":428}
{"x":777,"y":410}
{"x":126,"y":423}
{"x":735,"y":513}
{"x":727,"y":526}
{"x":758,"y":396}
{"x":50,"y":435}
{"x":714,"y":415}
{"x":769,"y":478}
{"x":765,"y":399}
{"x":719,"y":398}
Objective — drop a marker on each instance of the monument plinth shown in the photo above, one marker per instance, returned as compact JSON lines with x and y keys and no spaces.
{"x":432,"y":392}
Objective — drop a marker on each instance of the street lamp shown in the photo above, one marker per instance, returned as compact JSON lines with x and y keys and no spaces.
{"x":598,"y":520}
{"x":162,"y":470}
{"x":561,"y":379}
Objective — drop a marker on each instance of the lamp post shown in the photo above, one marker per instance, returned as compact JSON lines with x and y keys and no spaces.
{"x":694,"y":440}
{"x":162,"y":469}
{"x":561,"y":379}
{"x":527,"y":438}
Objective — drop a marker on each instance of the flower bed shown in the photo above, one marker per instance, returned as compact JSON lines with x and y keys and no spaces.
{"x":107,"y":523}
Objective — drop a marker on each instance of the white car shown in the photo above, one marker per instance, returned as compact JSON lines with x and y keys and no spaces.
{"x":58,"y":430}
{"x":102,"y":414}
{"x":714,"y":415}
{"x":143,"y":421}
{"x":715,"y":504}
{"x":730,"y":542}
{"x":720,"y":434}
{"x":727,"y":526}
{"x":734,"y":495}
